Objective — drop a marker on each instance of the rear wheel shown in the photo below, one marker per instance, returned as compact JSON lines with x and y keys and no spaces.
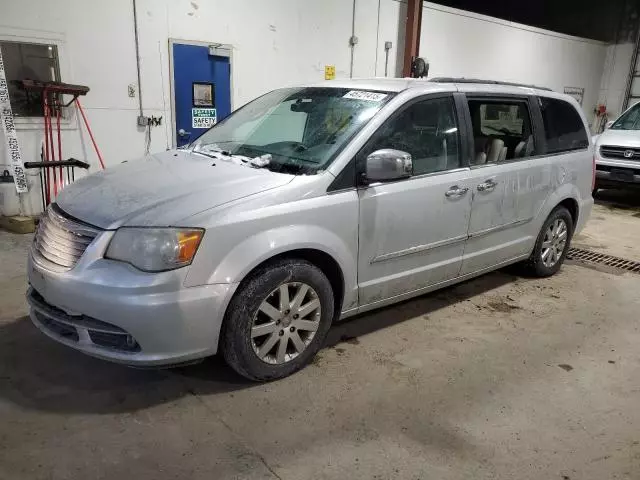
{"x":552,"y":244}
{"x":278,"y":320}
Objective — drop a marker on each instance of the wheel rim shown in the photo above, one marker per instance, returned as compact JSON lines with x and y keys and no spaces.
{"x":285,"y":323}
{"x":554,"y":243}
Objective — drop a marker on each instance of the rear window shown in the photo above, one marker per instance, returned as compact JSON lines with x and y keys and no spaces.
{"x":563,"y":127}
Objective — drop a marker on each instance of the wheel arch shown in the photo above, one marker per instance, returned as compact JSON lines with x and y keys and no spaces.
{"x":335,"y":256}
{"x":566,"y":196}
{"x":319,"y":258}
{"x":570,"y":204}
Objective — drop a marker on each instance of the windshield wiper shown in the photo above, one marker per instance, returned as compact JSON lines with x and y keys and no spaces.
{"x":220,"y":154}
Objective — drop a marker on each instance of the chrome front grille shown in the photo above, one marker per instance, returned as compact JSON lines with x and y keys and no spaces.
{"x":622,"y":153}
{"x":60,"y":241}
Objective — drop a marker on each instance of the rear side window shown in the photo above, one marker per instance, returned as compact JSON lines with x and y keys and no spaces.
{"x":563,"y":127}
{"x":501,"y":130}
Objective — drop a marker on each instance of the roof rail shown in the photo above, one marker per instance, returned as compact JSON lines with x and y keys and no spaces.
{"x":491,"y":82}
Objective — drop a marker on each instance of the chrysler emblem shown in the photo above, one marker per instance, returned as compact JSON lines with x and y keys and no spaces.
{"x":628,"y":153}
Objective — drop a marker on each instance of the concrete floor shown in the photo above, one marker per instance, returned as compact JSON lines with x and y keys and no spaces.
{"x":501,"y":377}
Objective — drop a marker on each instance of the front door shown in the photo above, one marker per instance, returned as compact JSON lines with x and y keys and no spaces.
{"x":201,"y":88}
{"x":412,"y":231}
{"x":510,"y":182}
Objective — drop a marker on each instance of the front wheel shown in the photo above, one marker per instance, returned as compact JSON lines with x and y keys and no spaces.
{"x":552,"y":244}
{"x":278,"y":320}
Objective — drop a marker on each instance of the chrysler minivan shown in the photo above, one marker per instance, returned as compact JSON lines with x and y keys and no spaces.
{"x":305,"y":206}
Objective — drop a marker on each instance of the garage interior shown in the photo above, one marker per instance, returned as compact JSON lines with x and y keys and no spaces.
{"x":503,"y":376}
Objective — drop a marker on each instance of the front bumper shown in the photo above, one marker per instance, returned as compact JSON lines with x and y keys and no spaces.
{"x":605,"y":179}
{"x":112,"y":311}
{"x":617,"y":173}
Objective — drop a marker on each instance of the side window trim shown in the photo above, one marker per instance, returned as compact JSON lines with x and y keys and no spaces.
{"x":537,"y":125}
{"x":465,"y":129}
{"x":464,"y":116}
{"x":430,"y":96}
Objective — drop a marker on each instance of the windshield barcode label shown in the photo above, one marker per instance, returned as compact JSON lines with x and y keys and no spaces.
{"x":363,"y":95}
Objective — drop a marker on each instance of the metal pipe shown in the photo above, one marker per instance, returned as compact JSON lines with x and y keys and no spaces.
{"x":58,"y":108}
{"x":386,"y":62}
{"x":351,"y":40}
{"x":375,"y":71}
{"x":632,"y":71}
{"x":135,"y":31}
{"x":93,"y":140}
{"x":47,"y":156}
{"x":52,"y":149}
{"x":412,"y":35}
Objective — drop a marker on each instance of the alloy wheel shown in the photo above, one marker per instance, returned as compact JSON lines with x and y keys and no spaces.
{"x":554,"y":243}
{"x":285,"y":323}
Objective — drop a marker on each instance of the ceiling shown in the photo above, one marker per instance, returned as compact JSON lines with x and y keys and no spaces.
{"x":608,"y":21}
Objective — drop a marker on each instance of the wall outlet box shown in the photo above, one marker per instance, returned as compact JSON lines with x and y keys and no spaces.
{"x":143,"y":121}
{"x":388,"y":45}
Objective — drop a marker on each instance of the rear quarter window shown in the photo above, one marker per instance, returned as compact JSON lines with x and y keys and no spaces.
{"x":563,"y":127}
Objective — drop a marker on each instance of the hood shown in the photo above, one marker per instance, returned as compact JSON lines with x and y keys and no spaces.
{"x":162,"y":189}
{"x":620,"y":138}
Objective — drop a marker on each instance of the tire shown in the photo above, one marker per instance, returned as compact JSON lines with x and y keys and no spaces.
{"x":536,"y":265}
{"x":251,"y":356}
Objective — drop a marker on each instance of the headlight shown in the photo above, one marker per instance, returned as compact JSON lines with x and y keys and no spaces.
{"x":155,"y":249}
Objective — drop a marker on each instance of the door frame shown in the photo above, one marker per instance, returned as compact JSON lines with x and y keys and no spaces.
{"x":358,"y":159}
{"x":220,"y":50}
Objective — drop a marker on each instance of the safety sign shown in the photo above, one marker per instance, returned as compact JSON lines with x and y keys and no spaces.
{"x":203,"y":117}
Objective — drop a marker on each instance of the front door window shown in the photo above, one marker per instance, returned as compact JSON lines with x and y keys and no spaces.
{"x":427,"y":130}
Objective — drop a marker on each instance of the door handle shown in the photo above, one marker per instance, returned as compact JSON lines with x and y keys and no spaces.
{"x":183,"y":133}
{"x":456,"y":191}
{"x":487,"y":186}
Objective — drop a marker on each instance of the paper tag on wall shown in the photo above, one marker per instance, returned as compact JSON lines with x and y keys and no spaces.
{"x":9,"y":129}
{"x":364,"y":95}
{"x":203,"y":117}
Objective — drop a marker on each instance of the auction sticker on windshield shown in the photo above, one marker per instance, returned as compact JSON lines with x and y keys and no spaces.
{"x":363,"y":95}
{"x":203,"y":117}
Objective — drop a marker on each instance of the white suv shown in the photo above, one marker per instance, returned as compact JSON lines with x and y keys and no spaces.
{"x":618,"y":152}
{"x":305,"y":206}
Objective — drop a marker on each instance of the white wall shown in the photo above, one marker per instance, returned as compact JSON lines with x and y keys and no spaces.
{"x":614,"y":78}
{"x":393,"y":20}
{"x":275,"y":43}
{"x":464,"y":44}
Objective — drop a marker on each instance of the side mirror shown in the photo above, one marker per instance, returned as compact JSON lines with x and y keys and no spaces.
{"x":388,"y":164}
{"x":608,"y":125}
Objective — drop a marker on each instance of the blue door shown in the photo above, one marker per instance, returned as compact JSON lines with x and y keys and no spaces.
{"x":202,"y":89}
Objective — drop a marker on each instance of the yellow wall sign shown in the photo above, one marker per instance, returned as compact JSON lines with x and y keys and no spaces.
{"x":329,"y":72}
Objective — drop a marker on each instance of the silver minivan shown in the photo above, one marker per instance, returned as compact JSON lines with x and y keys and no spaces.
{"x":305,"y":206}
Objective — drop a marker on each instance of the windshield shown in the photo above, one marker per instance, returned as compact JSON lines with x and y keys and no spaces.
{"x":629,"y":120}
{"x":292,"y":130}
